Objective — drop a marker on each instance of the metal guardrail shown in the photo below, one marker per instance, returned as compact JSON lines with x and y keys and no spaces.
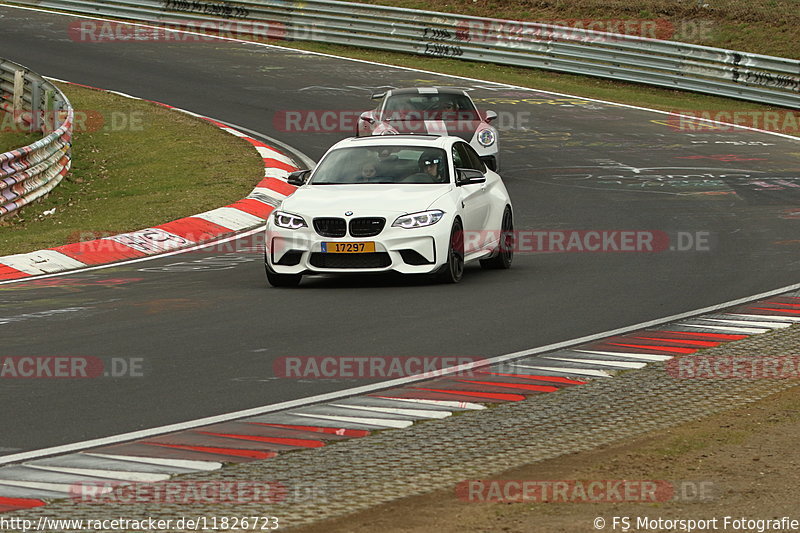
{"x":760,"y":78}
{"x":34,"y":105}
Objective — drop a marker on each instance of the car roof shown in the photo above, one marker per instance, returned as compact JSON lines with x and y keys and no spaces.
{"x":434,"y":141}
{"x":426,"y":90}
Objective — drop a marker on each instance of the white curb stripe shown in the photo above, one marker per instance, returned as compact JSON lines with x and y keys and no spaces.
{"x":371,"y":421}
{"x":558,"y":370}
{"x":231,"y":218}
{"x":186,"y":464}
{"x":443,"y":403}
{"x":419,"y":413}
{"x":768,"y":325}
{"x":41,"y":262}
{"x":643,"y":356}
{"x":66,"y":488}
{"x":730,"y":329}
{"x":120,"y":475}
{"x":601,"y":362}
{"x":779,"y":318}
{"x":269,"y":153}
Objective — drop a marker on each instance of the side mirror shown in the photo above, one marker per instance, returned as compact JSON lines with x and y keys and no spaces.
{"x":469,"y":176}
{"x":490,"y":116}
{"x":366,"y":116}
{"x":298,"y":177}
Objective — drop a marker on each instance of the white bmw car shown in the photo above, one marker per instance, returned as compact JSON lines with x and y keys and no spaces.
{"x":414,"y":204}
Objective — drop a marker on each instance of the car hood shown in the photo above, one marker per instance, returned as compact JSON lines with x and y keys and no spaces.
{"x":464,"y":129}
{"x":363,"y":200}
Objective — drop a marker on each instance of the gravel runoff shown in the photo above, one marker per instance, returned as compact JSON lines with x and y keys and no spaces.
{"x":353,"y":475}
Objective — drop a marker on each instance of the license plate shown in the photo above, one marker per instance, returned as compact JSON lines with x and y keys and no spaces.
{"x":348,"y":247}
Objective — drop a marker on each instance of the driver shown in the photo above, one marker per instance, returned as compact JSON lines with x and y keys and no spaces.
{"x":431,"y":167}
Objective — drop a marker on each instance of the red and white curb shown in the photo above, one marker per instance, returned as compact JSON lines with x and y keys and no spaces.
{"x":163,"y":454}
{"x":248,"y":213}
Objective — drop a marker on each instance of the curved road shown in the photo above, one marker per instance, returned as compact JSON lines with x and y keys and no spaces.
{"x":207,"y":331}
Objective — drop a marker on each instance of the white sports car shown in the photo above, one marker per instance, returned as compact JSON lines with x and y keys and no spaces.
{"x":414,"y":204}
{"x":436,"y":111}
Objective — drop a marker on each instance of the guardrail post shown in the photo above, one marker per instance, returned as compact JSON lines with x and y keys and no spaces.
{"x":49,"y":123}
{"x":19,"y":91}
{"x":36,"y":106}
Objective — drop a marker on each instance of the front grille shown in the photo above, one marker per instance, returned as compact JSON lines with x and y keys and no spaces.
{"x":365,"y":260}
{"x":330,"y":227}
{"x":366,"y":226}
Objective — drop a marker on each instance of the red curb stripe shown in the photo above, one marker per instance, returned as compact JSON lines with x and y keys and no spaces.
{"x":789,"y":311}
{"x":318,"y":429}
{"x":253,"y":207}
{"x":12,"y":504}
{"x":217,"y":124}
{"x":522,"y":386}
{"x":552,"y":379}
{"x":682,"y":341}
{"x":99,"y":251}
{"x":253,"y":454}
{"x":7,"y":272}
{"x":300,"y":443}
{"x":655,"y":348}
{"x":277,"y":185}
{"x":194,"y":229}
{"x":257,"y":143}
{"x":724,"y":336}
{"x":276,"y":163}
{"x":780,"y":303}
{"x":490,"y":395}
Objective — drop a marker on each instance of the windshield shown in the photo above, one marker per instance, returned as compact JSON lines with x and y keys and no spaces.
{"x":382,"y":164}
{"x":434,"y":106}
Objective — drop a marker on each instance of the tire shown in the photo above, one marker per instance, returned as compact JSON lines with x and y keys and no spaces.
{"x":505,"y":252}
{"x":281,"y":280}
{"x":453,"y":270}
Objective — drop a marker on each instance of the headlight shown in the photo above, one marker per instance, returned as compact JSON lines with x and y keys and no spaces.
{"x":486,"y":137}
{"x":288,"y":220}
{"x":418,"y":220}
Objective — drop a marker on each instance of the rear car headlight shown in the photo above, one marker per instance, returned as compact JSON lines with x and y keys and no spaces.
{"x":486,"y":137}
{"x":288,"y":220}
{"x":418,"y":220}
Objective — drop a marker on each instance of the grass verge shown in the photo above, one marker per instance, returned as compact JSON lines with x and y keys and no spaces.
{"x":11,"y":136}
{"x":135,"y":165}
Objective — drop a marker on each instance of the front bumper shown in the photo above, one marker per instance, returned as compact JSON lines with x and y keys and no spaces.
{"x":407,"y":251}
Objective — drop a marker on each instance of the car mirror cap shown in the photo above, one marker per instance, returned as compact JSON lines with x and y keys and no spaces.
{"x":469,"y":176}
{"x":366,"y":116}
{"x":490,"y":116}
{"x":298,"y":177}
